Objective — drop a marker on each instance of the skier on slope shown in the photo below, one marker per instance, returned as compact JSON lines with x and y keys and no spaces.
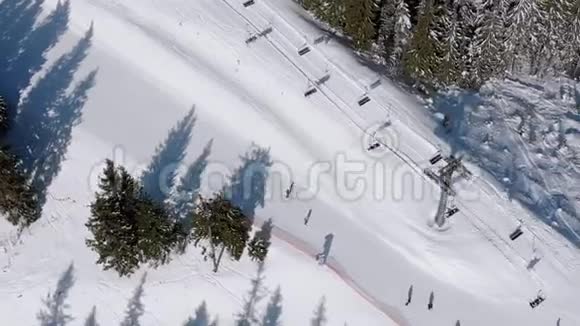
{"x":289,"y":190}
{"x":431,"y":299}
{"x":307,"y":218}
{"x":409,"y":295}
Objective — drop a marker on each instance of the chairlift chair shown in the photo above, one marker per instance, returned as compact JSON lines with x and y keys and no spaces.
{"x":310,"y":89}
{"x":364,"y":100}
{"x":251,"y":39}
{"x":516,"y":234}
{"x":248,"y":3}
{"x":539,"y":299}
{"x":303,"y":50}
{"x":436,"y":158}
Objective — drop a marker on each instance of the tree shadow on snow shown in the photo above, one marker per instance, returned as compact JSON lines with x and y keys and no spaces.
{"x":319,"y":318}
{"x":54,"y":313}
{"x":491,"y":152}
{"x":190,"y":183}
{"x":25,"y":44}
{"x":247,"y":185}
{"x":187,"y":191}
{"x":201,"y":317}
{"x":248,"y":315}
{"x":273,"y":312}
{"x":92,"y":318}
{"x":159,"y":177}
{"x":135,"y":308}
{"x":43,"y":127}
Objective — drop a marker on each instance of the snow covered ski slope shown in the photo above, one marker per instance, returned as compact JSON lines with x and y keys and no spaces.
{"x":152,"y":60}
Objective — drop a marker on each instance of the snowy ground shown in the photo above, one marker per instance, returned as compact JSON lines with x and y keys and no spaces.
{"x":155,"y":59}
{"x":526,"y":133}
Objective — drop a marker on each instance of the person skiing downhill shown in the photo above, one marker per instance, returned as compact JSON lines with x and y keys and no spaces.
{"x":431,"y":299}
{"x":409,"y":295}
{"x":307,"y":218}
{"x":289,"y":190}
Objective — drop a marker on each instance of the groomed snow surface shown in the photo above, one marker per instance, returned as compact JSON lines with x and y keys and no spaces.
{"x":116,"y":91}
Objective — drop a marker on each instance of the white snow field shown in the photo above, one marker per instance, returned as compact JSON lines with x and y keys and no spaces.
{"x":152,"y":60}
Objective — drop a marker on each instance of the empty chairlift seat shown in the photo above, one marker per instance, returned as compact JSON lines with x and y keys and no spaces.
{"x":516,"y":234}
{"x":303,"y":50}
{"x":364,"y":100}
{"x":310,"y":91}
{"x":536,"y":302}
{"x":436,"y":158}
{"x":249,"y":3}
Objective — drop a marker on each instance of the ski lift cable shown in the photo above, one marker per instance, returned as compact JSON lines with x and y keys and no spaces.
{"x":349,"y":77}
{"x":403,"y":157}
{"x":498,"y":236}
{"x":406,"y":160}
{"x":345,"y":74}
{"x":278,"y":49}
{"x":399,"y":155}
{"x":555,"y":252}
